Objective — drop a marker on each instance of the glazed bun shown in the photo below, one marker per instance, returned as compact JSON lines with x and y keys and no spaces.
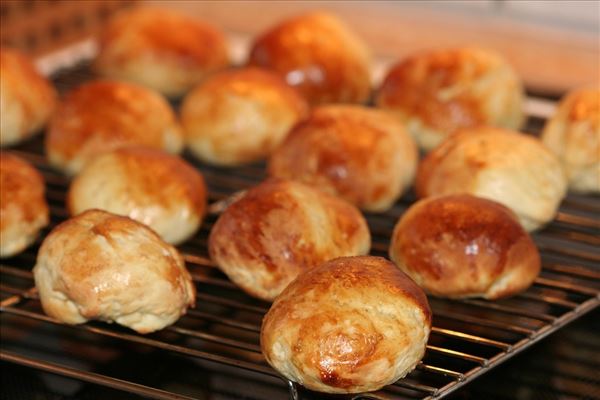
{"x":362,"y":155}
{"x":573,"y":134}
{"x":439,"y":92}
{"x":513,"y":169}
{"x":318,"y":54}
{"x":160,"y":49}
{"x":464,"y":246}
{"x":353,"y":324}
{"x":26,"y":98}
{"x":240,"y":116}
{"x":104,"y":115}
{"x":150,"y":186}
{"x":23,"y":207}
{"x":101,"y":266}
{"x":279,"y":229}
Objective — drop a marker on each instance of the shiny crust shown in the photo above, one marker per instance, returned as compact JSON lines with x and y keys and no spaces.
{"x":363,"y":155}
{"x":23,"y":207}
{"x":573,"y":134}
{"x":240,"y":116}
{"x":513,"y":169}
{"x":160,"y":49}
{"x":463,"y":246}
{"x":101,"y":266}
{"x":439,"y":92}
{"x":280,"y":229}
{"x":104,"y":115}
{"x":150,"y":186}
{"x":353,"y":324}
{"x":26,"y":98}
{"x":319,"y":55}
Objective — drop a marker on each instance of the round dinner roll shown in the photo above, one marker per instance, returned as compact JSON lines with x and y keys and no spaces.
{"x":513,"y":169}
{"x":150,"y":186}
{"x":240,"y":116}
{"x":439,"y":92}
{"x":26,"y":98}
{"x":573,"y":134}
{"x":23,"y":208}
{"x":360,"y":154}
{"x":353,"y":324}
{"x":318,"y":54}
{"x":100,"y":116}
{"x":160,"y":49}
{"x":102,"y":266}
{"x":281,"y":228}
{"x":462,"y":246}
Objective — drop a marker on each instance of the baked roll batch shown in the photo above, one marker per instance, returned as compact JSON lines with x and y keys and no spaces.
{"x":341,"y":321}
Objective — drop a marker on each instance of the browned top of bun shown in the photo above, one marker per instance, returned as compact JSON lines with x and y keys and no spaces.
{"x":21,"y":190}
{"x":281,"y":228}
{"x":166,"y":33}
{"x":418,"y":84}
{"x":318,"y":54}
{"x":110,"y":113}
{"x":161,"y":179}
{"x":460,"y":245}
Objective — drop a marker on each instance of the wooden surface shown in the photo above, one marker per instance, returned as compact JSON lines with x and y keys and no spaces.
{"x":549,"y":58}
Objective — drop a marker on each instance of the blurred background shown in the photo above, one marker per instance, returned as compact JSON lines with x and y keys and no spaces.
{"x":555,"y":45}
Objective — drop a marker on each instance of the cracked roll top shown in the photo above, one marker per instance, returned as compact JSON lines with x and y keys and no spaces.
{"x":350,"y":325}
{"x":102,"y":266}
{"x":281,"y":228}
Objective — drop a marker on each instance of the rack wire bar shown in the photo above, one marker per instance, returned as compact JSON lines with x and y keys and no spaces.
{"x":469,"y":337}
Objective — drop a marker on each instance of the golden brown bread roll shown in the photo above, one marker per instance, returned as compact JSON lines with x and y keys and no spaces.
{"x":102,"y":266}
{"x":100,"y":116}
{"x":513,"y":169}
{"x":439,"y":92}
{"x":318,"y":54}
{"x":160,"y":49}
{"x":150,"y":186}
{"x":464,"y":246}
{"x":573,"y":134}
{"x":240,"y":116}
{"x":362,"y":155}
{"x":279,"y":229}
{"x":353,"y":324}
{"x":26,"y":98}
{"x":23,"y":207}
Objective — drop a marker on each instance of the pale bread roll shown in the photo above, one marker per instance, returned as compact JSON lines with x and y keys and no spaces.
{"x":102,"y":266}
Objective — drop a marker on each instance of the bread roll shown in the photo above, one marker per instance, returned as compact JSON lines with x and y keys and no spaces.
{"x":513,"y":169}
{"x":240,"y":116}
{"x":23,"y":207}
{"x":101,"y":266}
{"x":573,"y":134}
{"x":105,"y":115}
{"x":318,"y":54}
{"x":26,"y":98}
{"x":464,"y":246}
{"x":353,"y":324}
{"x":362,"y":155}
{"x":439,"y":92}
{"x":147,"y":185}
{"x":160,"y":49}
{"x":279,"y":229}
